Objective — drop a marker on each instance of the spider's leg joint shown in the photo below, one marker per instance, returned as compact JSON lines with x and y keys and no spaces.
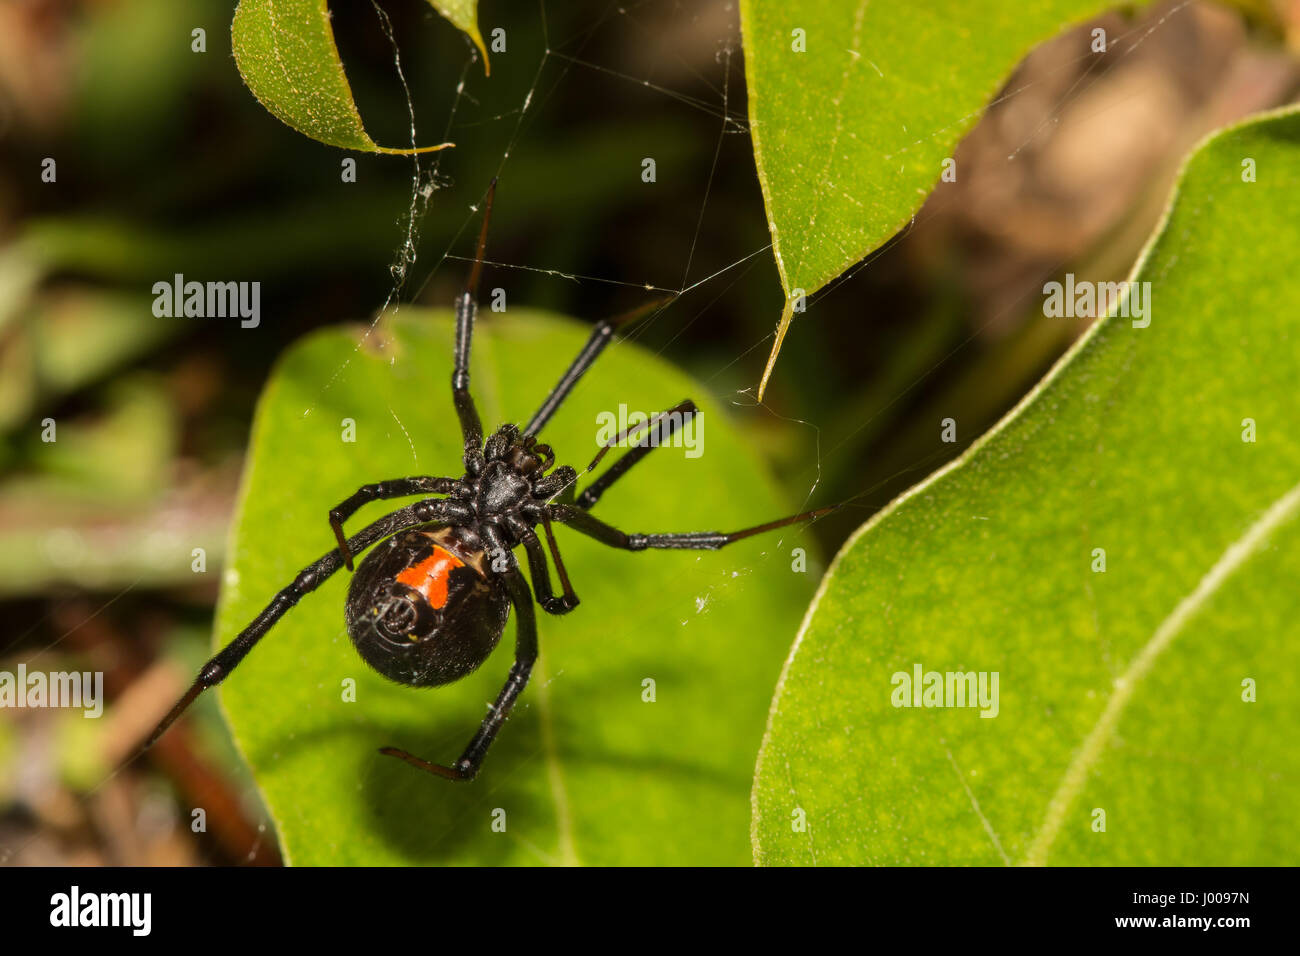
{"x":212,"y":674}
{"x":555,"y":483}
{"x":306,"y":581}
{"x":561,"y":604}
{"x":427,"y":510}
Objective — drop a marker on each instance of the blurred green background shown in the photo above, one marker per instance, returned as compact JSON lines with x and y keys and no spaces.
{"x":166,"y":164}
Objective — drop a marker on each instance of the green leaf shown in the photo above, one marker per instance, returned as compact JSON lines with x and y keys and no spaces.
{"x":1119,"y":690}
{"x":851,"y":134}
{"x":286,"y":54}
{"x":585,"y":769}
{"x":464,"y":15}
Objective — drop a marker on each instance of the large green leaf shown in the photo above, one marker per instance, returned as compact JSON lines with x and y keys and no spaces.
{"x":850,"y":134}
{"x":286,"y":54}
{"x":585,"y":770}
{"x":1120,"y":690}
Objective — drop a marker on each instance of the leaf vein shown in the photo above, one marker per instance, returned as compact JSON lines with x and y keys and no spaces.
{"x":1076,"y":774}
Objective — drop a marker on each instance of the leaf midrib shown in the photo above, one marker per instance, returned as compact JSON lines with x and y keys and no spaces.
{"x":1090,"y":751}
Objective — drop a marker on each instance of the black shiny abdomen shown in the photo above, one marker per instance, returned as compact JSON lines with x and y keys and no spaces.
{"x":401,"y":634}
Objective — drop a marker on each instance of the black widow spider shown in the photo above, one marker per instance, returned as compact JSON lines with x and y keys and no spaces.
{"x":428,"y":606}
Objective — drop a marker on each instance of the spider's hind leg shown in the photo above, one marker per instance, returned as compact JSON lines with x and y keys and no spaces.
{"x":467,"y":766}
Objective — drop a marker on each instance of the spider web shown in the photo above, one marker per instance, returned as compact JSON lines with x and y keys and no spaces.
{"x":556,"y":67}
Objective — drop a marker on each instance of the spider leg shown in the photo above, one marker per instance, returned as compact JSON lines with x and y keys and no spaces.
{"x":307,"y":580}
{"x":600,"y":337}
{"x":467,"y":767}
{"x":471,"y":427}
{"x":383,"y":490}
{"x":538,"y":570}
{"x":584,"y":523}
{"x":674,"y":418}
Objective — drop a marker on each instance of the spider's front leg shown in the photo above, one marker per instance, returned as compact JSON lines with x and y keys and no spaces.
{"x":382,"y":490}
{"x":667,"y":422}
{"x":588,"y":524}
{"x":467,"y":767}
{"x":471,"y":426}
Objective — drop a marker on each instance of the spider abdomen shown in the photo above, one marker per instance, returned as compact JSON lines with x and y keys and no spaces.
{"x":422,"y":610}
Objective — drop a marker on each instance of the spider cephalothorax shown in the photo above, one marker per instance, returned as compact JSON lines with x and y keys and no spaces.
{"x":508,"y":480}
{"x":429,"y":603}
